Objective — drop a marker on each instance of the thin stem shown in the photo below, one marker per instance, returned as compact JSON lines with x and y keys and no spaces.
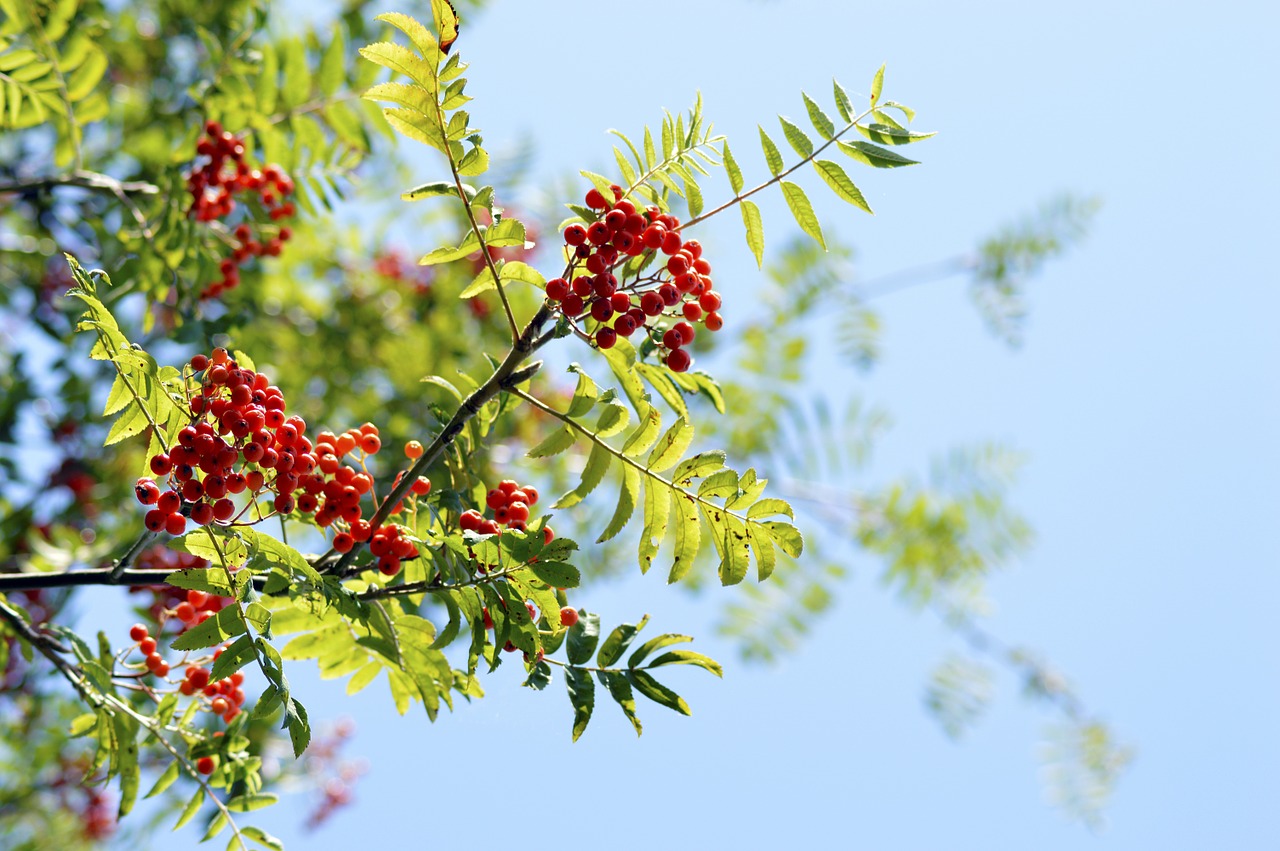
{"x":475,"y":226}
{"x":778,"y":177}
{"x":596,"y":439}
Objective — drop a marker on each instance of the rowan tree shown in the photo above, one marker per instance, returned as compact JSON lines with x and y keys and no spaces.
{"x":289,"y":443}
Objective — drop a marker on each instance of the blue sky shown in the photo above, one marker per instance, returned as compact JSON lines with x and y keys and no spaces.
{"x":1145,"y":397}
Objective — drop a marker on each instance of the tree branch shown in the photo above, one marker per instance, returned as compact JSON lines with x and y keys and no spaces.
{"x":91,"y":180}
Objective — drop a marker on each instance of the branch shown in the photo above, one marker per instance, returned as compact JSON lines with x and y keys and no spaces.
{"x":94,"y":576}
{"x":91,"y":180}
{"x":505,"y":377}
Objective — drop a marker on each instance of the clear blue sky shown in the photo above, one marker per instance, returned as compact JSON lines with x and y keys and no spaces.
{"x":1145,"y":397}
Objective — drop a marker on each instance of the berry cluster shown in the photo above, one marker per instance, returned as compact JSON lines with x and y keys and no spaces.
{"x":213,"y":186}
{"x":223,"y":697}
{"x":239,"y":438}
{"x":510,"y":503}
{"x":680,"y":288}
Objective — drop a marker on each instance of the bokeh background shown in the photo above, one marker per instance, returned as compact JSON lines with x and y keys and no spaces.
{"x":1144,"y":397}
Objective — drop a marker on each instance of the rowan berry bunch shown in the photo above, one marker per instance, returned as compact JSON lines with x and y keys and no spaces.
{"x":242,"y":441}
{"x":223,"y":697}
{"x":214,"y":186}
{"x":510,"y":503}
{"x":611,"y":279}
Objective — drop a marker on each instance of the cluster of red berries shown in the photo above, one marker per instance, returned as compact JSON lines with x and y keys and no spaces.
{"x":213,"y":187}
{"x":225,"y":696}
{"x":510,"y":503}
{"x":146,"y":645}
{"x":240,"y":437}
{"x":680,"y":288}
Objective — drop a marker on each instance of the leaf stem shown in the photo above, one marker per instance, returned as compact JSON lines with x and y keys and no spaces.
{"x":779,"y":176}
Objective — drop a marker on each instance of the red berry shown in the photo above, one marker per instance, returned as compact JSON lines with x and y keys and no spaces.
{"x":138,"y":631}
{"x":175,"y":524}
{"x":568,"y":616}
{"x":575,"y":234}
{"x":678,"y":360}
{"x":606,"y":338}
{"x":146,"y":491}
{"x":595,"y":200}
{"x":154,"y":520}
{"x":557,"y":289}
{"x":714,"y":322}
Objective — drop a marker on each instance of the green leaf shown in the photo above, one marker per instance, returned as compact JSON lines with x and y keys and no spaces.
{"x":582,"y":694}
{"x":671,"y":446}
{"x":664,"y":640}
{"x":755,"y":230}
{"x":802,"y":210}
{"x":417,"y":33}
{"x":237,"y":654}
{"x":297,"y":76}
{"x":657,"y":692}
{"x":190,"y":810}
{"x":584,"y":395}
{"x":436,"y":189}
{"x":620,"y":690}
{"x":796,"y":137}
{"x":247,"y":802}
{"x":618,"y":642}
{"x":843,"y":105}
{"x":687,"y":657}
{"x":693,"y":195}
{"x":886,"y":135}
{"x":786,"y":536}
{"x":771,"y":155}
{"x":211,"y":580}
{"x":627,"y":496}
{"x":731,"y":168}
{"x":225,"y":624}
{"x":127,"y":761}
{"x":877,"y":83}
{"x":657,"y":507}
{"x":333,"y":65}
{"x":165,"y":780}
{"x":593,"y":473}
{"x":688,"y":535}
{"x":266,"y":840}
{"x":556,"y":574}
{"x":558,"y":441}
{"x":734,"y":551}
{"x":874,"y":155}
{"x":583,"y":637}
{"x":819,"y":119}
{"x":905,"y":110}
{"x":410,"y":97}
